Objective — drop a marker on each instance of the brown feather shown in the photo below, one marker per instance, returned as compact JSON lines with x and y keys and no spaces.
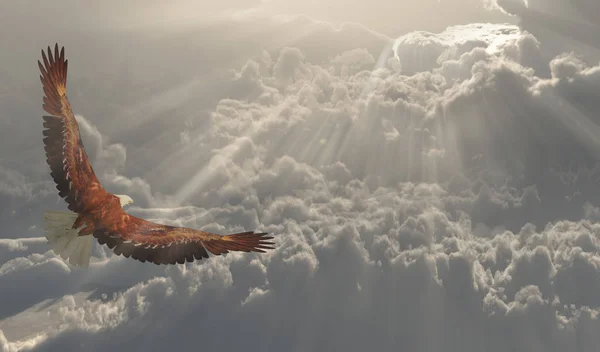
{"x":74,"y":176}
{"x":143,"y":240}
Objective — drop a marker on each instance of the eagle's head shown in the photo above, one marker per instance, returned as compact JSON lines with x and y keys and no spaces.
{"x":124,"y":200}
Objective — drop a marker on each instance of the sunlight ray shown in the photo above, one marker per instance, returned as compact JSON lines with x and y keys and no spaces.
{"x":219,"y":159}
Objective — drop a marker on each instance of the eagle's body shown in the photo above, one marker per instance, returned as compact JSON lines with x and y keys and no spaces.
{"x":99,"y":213}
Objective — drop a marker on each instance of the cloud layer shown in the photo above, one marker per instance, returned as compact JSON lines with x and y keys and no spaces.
{"x":436,"y":192}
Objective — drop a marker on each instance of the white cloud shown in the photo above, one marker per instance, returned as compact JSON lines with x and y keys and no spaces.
{"x":10,"y":248}
{"x":561,"y":25}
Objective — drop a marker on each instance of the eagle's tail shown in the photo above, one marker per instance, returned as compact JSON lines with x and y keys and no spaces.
{"x":65,"y":240}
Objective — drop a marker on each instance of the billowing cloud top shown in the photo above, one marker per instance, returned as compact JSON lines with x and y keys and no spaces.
{"x":433,"y":193}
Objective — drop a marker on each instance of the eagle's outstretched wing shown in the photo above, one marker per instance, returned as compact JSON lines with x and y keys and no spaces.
{"x":101,"y":211}
{"x":65,"y":154}
{"x":143,"y":240}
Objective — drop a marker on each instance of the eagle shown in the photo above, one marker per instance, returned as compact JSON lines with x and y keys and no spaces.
{"x":96,"y":213}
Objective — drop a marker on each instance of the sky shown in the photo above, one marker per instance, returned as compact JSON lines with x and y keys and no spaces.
{"x":429,"y":170}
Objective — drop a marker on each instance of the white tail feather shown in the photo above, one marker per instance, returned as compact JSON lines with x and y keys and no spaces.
{"x":65,"y":240}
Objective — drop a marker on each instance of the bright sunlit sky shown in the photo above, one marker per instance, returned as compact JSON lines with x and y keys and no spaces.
{"x":429,"y":170}
{"x":388,"y":17}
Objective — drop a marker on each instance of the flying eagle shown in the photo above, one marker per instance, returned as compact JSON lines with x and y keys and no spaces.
{"x":98,"y":213}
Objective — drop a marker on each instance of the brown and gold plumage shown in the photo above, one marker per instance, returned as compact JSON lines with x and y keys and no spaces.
{"x":100,"y":213}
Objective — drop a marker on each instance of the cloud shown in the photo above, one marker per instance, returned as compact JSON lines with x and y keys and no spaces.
{"x":444,"y":202}
{"x":561,"y":25}
{"x":10,"y":248}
